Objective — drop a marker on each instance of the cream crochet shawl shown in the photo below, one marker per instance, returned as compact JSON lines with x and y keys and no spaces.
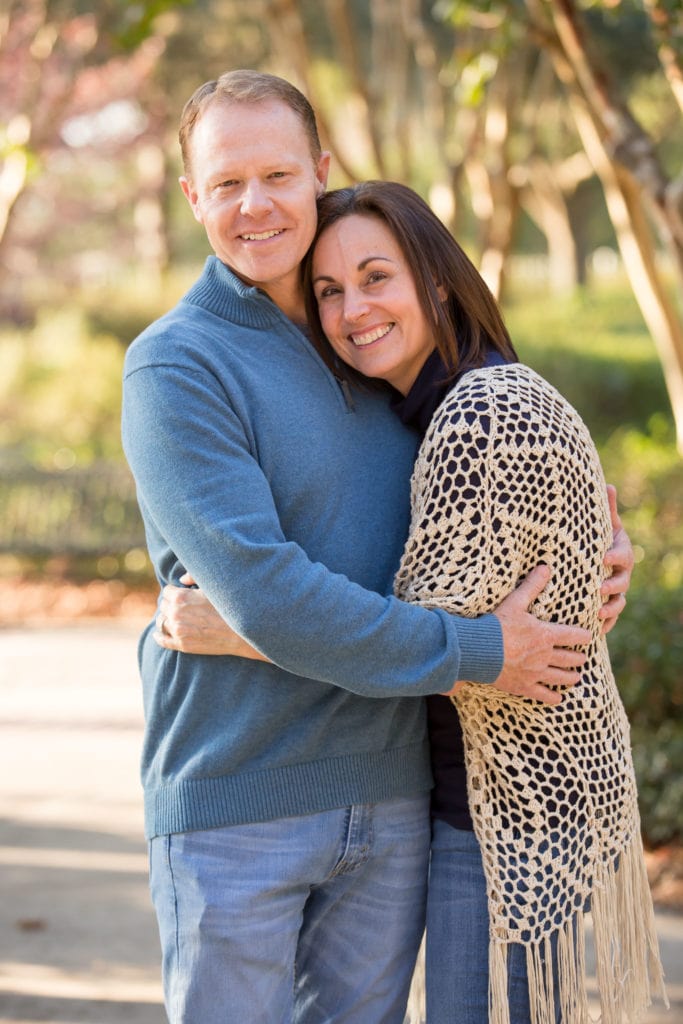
{"x":508,"y":477}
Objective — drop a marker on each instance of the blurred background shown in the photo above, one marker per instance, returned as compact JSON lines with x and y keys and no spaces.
{"x":547,"y":135}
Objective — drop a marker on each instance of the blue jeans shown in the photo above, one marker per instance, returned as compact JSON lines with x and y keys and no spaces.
{"x":457,"y":951}
{"x":309,"y":919}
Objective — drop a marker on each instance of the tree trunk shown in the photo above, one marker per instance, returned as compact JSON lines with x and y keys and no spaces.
{"x":544,"y":201}
{"x":669,"y":45}
{"x":497,"y":198}
{"x":150,"y":223}
{"x":631,"y":176}
{"x":14,"y":170}
{"x":626,"y":141}
{"x":638,"y":251}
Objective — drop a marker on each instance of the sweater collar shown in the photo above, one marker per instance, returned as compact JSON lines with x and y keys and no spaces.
{"x":225,"y":295}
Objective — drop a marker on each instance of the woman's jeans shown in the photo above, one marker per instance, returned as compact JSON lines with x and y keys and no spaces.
{"x":457,"y":977}
{"x":307,"y":919}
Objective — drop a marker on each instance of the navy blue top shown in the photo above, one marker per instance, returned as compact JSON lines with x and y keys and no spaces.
{"x":449,"y":795}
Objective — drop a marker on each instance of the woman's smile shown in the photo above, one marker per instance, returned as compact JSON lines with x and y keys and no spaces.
{"x":369,"y":337}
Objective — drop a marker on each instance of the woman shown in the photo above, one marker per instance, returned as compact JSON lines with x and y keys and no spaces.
{"x":545,"y":820}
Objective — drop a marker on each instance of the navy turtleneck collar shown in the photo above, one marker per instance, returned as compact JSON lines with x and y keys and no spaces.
{"x":427,"y":393}
{"x":417,"y":408}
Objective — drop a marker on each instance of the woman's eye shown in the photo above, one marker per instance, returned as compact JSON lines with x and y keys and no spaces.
{"x":375,"y":276}
{"x":328,"y":291}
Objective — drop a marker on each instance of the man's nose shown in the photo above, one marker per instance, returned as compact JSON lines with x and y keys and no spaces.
{"x":255,"y":199}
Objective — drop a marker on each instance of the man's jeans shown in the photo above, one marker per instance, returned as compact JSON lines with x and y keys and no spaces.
{"x":310,"y":919}
{"x":457,"y":959}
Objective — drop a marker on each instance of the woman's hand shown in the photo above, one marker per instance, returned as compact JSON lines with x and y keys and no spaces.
{"x":620,"y":559}
{"x":188,"y":622}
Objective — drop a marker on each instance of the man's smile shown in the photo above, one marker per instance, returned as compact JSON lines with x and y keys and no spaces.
{"x":260,"y":236}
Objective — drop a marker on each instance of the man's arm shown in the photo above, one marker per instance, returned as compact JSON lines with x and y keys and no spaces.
{"x":209,"y":506}
{"x":188,"y":622}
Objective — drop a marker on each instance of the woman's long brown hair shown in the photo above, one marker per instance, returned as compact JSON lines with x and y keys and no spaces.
{"x":466,"y":324}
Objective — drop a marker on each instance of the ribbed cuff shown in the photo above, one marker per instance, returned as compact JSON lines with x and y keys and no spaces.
{"x":481,"y":649}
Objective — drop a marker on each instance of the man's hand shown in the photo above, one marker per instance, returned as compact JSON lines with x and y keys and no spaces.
{"x":188,"y":622}
{"x":620,"y":559}
{"x":536,"y":653}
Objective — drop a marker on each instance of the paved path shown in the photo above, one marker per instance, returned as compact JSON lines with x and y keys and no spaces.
{"x":78,"y":939}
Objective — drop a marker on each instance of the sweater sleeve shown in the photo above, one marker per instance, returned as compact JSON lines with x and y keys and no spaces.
{"x":205,"y":497}
{"x":474,"y":531}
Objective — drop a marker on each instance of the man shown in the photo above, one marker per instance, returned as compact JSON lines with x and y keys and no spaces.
{"x":286,"y":807}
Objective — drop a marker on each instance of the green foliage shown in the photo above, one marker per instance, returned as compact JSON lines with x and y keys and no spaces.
{"x":130,"y":24}
{"x":594,"y":349}
{"x":60,"y":392}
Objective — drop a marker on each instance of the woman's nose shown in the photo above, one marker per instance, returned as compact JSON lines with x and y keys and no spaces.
{"x":355,"y":306}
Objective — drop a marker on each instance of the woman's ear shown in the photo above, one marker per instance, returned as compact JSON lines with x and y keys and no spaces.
{"x":441,"y":292}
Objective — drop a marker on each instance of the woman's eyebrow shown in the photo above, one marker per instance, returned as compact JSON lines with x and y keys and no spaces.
{"x":368,"y":259}
{"x":361,"y":266}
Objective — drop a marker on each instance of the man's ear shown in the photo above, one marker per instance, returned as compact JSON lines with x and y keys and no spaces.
{"x":192,"y":197}
{"x":322,"y":171}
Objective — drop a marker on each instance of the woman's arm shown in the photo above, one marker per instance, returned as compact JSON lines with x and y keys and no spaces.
{"x":188,"y":622}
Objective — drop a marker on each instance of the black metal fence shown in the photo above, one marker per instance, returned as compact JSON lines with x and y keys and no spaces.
{"x":89,"y":511}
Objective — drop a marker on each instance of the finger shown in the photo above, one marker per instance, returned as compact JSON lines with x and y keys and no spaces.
{"x":612,"y":608}
{"x":162,"y":640}
{"x":533,"y":585}
{"x":561,"y":677}
{"x":613,"y":511}
{"x":568,"y":636}
{"x":616,"y":584}
{"x":563,"y":657}
{"x":621,"y":553}
{"x":540,"y":692}
{"x":187,"y":580}
{"x":168,"y":593}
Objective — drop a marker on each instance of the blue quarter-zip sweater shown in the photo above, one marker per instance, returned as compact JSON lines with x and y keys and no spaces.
{"x":290,"y":507}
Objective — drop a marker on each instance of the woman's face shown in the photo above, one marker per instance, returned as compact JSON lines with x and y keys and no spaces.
{"x":368,"y":303}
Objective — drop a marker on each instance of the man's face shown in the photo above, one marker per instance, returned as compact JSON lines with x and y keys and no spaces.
{"x":253,"y":186}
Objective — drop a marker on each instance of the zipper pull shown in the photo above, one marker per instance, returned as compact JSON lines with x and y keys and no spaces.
{"x":348,"y":397}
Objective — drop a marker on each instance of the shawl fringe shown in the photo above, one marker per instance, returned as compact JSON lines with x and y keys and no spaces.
{"x":627,"y":963}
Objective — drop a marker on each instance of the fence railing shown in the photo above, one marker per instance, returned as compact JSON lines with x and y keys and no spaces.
{"x":76,"y":511}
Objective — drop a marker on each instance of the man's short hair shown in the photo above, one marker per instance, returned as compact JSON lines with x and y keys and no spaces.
{"x":245,"y":86}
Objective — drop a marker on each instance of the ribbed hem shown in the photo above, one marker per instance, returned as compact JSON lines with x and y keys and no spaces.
{"x":481,"y":649}
{"x":284,"y":792}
